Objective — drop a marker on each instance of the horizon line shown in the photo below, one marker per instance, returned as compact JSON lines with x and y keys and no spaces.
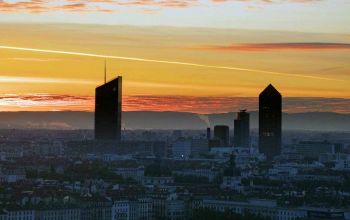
{"x":154,"y":111}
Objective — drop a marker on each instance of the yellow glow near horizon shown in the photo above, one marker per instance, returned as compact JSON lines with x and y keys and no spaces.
{"x":164,"y":61}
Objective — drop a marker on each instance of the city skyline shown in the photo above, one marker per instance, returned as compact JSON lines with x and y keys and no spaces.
{"x":174,"y":109}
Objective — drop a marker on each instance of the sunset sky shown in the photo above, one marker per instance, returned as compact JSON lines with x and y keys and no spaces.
{"x":175,"y":55}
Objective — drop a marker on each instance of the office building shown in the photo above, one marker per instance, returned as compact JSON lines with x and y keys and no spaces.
{"x":108,"y":110}
{"x":222,"y":133}
{"x":314,"y":149}
{"x":270,"y":122}
{"x":181,"y":149}
{"x":242,"y":129}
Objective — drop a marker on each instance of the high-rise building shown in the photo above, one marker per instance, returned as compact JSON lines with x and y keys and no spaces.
{"x":222,"y":133}
{"x":108,"y":110}
{"x":242,"y":129}
{"x":270,"y":122}
{"x":208,"y":134}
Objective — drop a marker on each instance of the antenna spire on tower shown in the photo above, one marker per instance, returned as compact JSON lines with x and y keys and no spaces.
{"x":105,"y":71}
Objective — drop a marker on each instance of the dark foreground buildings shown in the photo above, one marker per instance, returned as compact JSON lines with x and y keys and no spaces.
{"x":242,"y":128}
{"x":222,"y":134}
{"x":108,"y":110}
{"x":270,"y":122}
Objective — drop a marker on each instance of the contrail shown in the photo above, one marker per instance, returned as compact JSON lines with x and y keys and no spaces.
{"x":168,"y":62}
{"x":19,"y":79}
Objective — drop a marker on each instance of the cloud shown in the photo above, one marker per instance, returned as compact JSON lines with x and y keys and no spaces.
{"x":45,"y":102}
{"x":41,"y":6}
{"x":106,"y":6}
{"x":33,"y":6}
{"x":204,"y":105}
{"x":289,"y":46}
{"x":200,"y":105}
{"x":268,"y":1}
{"x":158,"y":3}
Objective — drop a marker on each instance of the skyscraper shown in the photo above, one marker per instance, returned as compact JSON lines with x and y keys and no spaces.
{"x":270,"y":122}
{"x":108,"y":110}
{"x":222,"y":133}
{"x":242,"y":129}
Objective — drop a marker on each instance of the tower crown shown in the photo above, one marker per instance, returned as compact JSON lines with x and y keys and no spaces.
{"x":270,"y":90}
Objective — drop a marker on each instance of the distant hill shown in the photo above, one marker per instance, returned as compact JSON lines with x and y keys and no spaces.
{"x":322,"y":121}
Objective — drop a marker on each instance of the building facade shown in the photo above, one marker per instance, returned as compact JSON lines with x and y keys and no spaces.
{"x":222,"y":133}
{"x":108,"y":110}
{"x":270,"y":122}
{"x":242,"y":130}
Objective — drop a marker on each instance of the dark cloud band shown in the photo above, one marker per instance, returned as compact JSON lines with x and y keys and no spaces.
{"x":309,"y":46}
{"x":203,"y":105}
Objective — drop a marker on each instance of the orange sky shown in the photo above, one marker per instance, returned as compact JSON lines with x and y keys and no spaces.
{"x":164,"y":62}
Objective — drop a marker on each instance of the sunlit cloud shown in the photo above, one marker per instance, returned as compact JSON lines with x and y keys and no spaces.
{"x":269,"y":1}
{"x":205,"y":105}
{"x":261,"y":47}
{"x":45,"y":102}
{"x":201,"y":105}
{"x":42,"y":6}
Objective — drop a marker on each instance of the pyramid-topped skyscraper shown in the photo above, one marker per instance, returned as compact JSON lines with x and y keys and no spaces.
{"x":270,"y":122}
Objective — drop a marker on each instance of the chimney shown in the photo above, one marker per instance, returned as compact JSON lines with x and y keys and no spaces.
{"x":208,"y":134}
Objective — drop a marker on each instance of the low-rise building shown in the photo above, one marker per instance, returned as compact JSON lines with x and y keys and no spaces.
{"x":58,"y":213}
{"x":181,"y":149}
{"x":155,"y":180}
{"x":18,"y":213}
{"x":282,"y":170}
{"x":210,"y":174}
{"x":199,"y":146}
{"x":138,"y":209}
{"x":264,"y":208}
{"x":136,"y":173}
{"x":12,"y":175}
{"x":233,"y":183}
{"x":324,"y":213}
{"x":313,"y":149}
{"x":93,"y":208}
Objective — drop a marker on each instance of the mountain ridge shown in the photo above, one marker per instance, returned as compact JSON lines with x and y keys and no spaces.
{"x":320,"y":121}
